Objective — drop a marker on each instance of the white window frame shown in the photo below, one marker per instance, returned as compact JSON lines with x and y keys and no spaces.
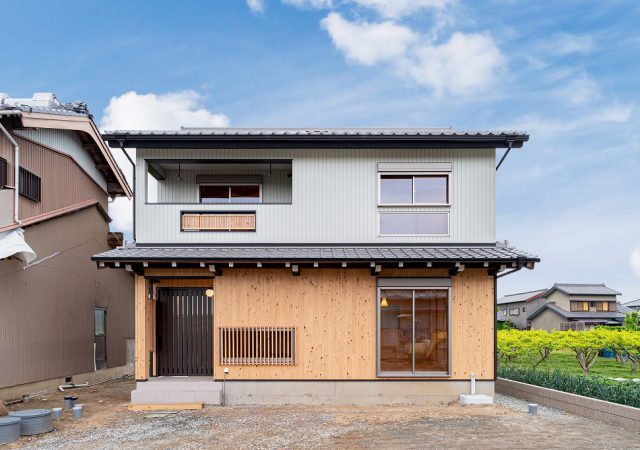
{"x":230,"y":184}
{"x":514,"y":312}
{"x":447,"y":234}
{"x":413,"y":187}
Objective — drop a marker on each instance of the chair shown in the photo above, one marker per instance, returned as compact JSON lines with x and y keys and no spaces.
{"x":438,"y":337}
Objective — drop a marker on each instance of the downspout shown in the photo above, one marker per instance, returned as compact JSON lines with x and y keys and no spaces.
{"x":509,"y":146}
{"x":16,"y":174}
{"x":134,"y":186}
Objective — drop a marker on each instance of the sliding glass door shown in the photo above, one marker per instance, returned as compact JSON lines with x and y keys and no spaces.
{"x":413,"y":331}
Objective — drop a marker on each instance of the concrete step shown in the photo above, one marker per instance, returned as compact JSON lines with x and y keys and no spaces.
{"x":158,"y":392}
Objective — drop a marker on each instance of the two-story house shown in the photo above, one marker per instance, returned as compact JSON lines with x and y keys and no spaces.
{"x":59,"y":315}
{"x":577,"y":307}
{"x":515,"y":308}
{"x":315,"y":265}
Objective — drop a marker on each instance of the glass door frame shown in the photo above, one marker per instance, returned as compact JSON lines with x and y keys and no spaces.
{"x":413,"y":373}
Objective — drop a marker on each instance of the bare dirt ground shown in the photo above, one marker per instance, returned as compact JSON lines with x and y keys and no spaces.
{"x":108,"y":424}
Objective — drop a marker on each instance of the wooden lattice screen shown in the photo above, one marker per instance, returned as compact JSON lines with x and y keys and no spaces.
{"x":218,"y":221}
{"x":258,"y":346}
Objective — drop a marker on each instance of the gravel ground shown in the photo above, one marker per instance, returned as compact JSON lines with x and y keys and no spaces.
{"x":107,"y":424}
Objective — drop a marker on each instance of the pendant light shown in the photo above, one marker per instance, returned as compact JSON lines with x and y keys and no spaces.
{"x":384,"y":303}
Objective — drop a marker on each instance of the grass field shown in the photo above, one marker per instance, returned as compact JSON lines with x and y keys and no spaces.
{"x":606,"y":367}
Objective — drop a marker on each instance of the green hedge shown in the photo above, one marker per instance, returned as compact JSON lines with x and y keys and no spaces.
{"x":622,"y":392}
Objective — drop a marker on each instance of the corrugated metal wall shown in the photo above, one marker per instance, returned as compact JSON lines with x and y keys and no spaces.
{"x":334,"y":198}
{"x":67,"y":142}
{"x":276,"y":187}
{"x":47,"y":310}
{"x":63,"y":183}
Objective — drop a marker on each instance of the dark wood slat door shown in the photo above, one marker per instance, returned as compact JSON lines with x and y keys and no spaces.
{"x":184,"y":323}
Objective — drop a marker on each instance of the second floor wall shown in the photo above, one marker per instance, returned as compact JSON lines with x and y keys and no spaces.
{"x":327,"y":196}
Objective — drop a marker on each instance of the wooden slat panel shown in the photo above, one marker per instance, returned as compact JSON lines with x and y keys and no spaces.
{"x":258,"y":346}
{"x":218,"y":222}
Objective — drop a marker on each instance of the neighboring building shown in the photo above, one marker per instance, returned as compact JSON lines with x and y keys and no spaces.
{"x":577,"y":307}
{"x":633,"y":305}
{"x":59,"y":315}
{"x":517,"y":307}
{"x":364,"y":260}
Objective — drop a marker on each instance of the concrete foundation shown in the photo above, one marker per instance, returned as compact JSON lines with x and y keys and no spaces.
{"x":41,"y":387}
{"x":166,"y":390}
{"x":349,"y":392}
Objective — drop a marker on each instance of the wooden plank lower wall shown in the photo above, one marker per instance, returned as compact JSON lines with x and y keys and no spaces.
{"x":334,"y":312}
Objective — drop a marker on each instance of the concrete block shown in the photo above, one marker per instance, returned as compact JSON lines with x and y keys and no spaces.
{"x":476,"y":399}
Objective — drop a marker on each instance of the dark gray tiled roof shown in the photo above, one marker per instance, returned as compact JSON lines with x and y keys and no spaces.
{"x":501,"y":316}
{"x":520,"y":297}
{"x":632,"y":303}
{"x":318,"y":132}
{"x":59,"y":111}
{"x":316,"y":253}
{"x":577,"y":315}
{"x":583,"y":289}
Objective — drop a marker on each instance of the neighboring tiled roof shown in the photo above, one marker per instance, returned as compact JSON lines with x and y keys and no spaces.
{"x":310,"y":131}
{"x":521,"y":296}
{"x":501,"y":316}
{"x":314,"y":253}
{"x":632,"y":303}
{"x":582,"y":289}
{"x":576,"y":315}
{"x":624,"y":309}
{"x":60,"y":111}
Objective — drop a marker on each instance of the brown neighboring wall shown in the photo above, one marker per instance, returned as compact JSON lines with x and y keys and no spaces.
{"x":47,"y":309}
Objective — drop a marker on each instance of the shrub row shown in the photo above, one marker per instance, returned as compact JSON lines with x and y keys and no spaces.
{"x":622,"y":392}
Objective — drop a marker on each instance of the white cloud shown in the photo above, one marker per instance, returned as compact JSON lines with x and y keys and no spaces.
{"x":563,"y":44}
{"x":368,"y":43}
{"x":581,"y":91}
{"x":634,"y":261}
{"x":464,"y":63}
{"x":256,"y":5}
{"x":151,"y":111}
{"x":159,"y":111}
{"x":394,"y":9}
{"x":318,"y":4}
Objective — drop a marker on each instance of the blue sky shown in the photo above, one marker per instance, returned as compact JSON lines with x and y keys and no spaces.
{"x":567,"y":72}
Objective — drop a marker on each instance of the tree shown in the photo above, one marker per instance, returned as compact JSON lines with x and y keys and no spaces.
{"x":586,"y":345}
{"x":537,"y":346}
{"x":631,"y":321}
{"x":629,"y":343}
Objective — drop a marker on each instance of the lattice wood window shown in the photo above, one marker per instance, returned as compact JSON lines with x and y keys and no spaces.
{"x":241,"y":221}
{"x":29,"y":185}
{"x":258,"y":346}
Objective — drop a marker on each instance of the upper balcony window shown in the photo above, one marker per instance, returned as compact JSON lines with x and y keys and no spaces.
{"x":231,"y":193}
{"x":219,"y":181}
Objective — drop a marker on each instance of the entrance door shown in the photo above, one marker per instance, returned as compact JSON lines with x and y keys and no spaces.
{"x":184,"y":324}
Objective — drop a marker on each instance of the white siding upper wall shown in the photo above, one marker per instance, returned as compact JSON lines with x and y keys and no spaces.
{"x":67,"y":142}
{"x":334,"y":198}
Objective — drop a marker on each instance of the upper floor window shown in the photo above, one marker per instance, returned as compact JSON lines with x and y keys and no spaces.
{"x":222,"y":193}
{"x":605,"y":306}
{"x":29,"y":185}
{"x":579,"y":306}
{"x":414,"y":189}
{"x":3,"y":172}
